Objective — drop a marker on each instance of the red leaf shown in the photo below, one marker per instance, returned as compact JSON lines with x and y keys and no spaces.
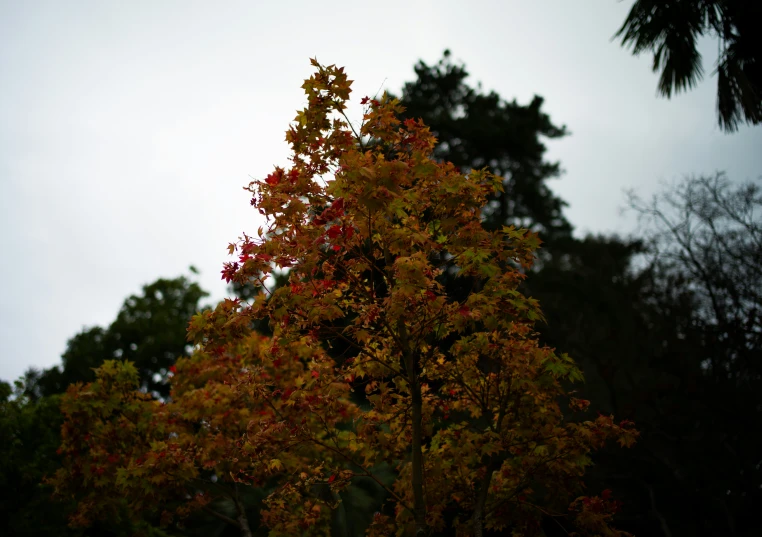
{"x":315,"y":373}
{"x":334,"y":231}
{"x":365,"y":100}
{"x":336,"y":247}
{"x":275,"y":177}
{"x":229,"y":270}
{"x":337,"y":207}
{"x":332,"y":478}
{"x":173,"y":369}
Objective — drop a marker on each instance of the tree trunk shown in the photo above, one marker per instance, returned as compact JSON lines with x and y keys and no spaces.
{"x":242,"y":520}
{"x":477,"y":519}
{"x":339,"y":517}
{"x":419,"y":505}
{"x":420,"y":502}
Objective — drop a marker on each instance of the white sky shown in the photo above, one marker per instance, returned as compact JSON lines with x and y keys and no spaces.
{"x":127,"y":129}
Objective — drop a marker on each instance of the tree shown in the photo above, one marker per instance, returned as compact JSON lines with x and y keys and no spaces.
{"x":28,"y":441}
{"x":29,"y":438}
{"x":633,"y":337}
{"x":706,"y":237}
{"x":460,"y":400}
{"x":155,"y":324}
{"x":474,"y":130}
{"x":198,"y":451}
{"x":708,"y":233}
{"x":671,"y":31}
{"x":149,"y":331}
{"x":666,"y":332}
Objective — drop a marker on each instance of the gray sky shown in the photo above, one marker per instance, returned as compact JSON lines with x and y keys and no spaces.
{"x":127,"y":129}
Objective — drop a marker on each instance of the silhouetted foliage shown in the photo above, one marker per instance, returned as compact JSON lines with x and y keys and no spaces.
{"x":28,"y":441}
{"x":671,"y":31}
{"x":149,"y":331}
{"x":706,"y":255}
{"x":476,"y":129}
{"x":708,"y":233}
{"x":667,"y":332}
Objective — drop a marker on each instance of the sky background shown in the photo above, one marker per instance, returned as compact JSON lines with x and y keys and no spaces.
{"x":128,"y":129}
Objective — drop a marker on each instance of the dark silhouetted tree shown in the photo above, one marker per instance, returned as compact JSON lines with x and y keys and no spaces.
{"x":476,"y":129}
{"x":708,"y":232}
{"x":706,"y":237}
{"x":149,"y":331}
{"x":671,"y":30}
{"x":29,"y":437}
{"x":667,"y":332}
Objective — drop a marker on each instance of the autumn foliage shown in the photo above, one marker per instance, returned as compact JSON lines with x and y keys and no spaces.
{"x":375,"y":365}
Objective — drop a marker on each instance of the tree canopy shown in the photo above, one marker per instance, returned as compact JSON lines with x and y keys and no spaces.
{"x":460,"y":400}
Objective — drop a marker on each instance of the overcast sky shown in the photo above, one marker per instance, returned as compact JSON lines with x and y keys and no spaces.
{"x":127,"y":129}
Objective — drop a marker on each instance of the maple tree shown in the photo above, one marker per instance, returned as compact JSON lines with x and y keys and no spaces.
{"x":454,"y":395}
{"x":183,"y":454}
